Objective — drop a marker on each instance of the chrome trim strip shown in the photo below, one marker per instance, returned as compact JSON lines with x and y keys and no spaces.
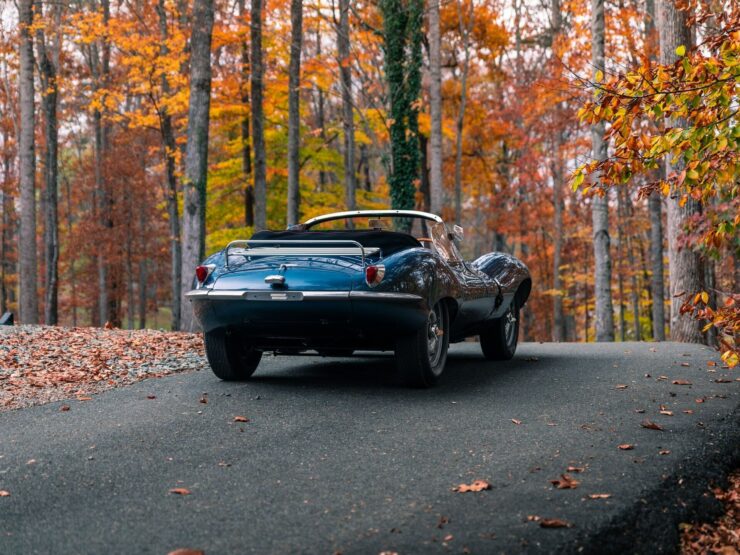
{"x":325,"y":295}
{"x":361,"y":213}
{"x":223,"y":294}
{"x":376,"y":295}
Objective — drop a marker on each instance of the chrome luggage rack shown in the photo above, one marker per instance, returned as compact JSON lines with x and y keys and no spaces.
{"x":276,"y":247}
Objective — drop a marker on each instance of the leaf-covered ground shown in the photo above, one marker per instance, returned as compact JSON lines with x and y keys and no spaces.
{"x":721,"y":536}
{"x":39,"y":364}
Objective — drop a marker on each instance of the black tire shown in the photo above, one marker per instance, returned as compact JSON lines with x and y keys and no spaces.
{"x":230,"y":355}
{"x":499,"y":341}
{"x":421,"y":357}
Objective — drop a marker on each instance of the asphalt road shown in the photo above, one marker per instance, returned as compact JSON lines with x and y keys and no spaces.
{"x":337,"y":457}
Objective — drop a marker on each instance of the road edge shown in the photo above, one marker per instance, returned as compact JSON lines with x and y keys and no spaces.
{"x":651,"y":524}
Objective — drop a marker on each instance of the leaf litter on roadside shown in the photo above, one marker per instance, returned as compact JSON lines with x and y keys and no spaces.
{"x":39,"y":364}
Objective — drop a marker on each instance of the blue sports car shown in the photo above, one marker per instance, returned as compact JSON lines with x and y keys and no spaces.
{"x":379,"y":280}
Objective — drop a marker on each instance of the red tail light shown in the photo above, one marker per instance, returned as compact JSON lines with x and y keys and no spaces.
{"x":202,"y":273}
{"x":374,"y":274}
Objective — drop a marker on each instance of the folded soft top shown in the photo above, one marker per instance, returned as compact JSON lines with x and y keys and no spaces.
{"x":389,"y":242}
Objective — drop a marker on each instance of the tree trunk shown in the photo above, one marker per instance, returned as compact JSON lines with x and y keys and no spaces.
{"x":655,"y":211}
{"x":246,"y":146}
{"x":348,"y":122}
{"x":48,"y":63}
{"x":465,"y":28}
{"x":170,"y":150}
{"x":604,"y":313}
{"x":684,"y":265}
{"x":402,"y":37}
{"x":196,"y":154}
{"x":656,"y":265}
{"x":320,"y":110}
{"x":436,"y":188}
{"x":26,"y":151}
{"x":558,"y":328}
{"x":258,"y":118}
{"x":294,"y":112}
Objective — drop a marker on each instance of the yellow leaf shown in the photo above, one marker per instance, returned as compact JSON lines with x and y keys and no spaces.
{"x":599,"y":76}
{"x":681,"y":50}
{"x":704,"y":297}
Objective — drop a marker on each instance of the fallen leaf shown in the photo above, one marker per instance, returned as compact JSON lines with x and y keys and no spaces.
{"x":651,"y":425}
{"x":666,"y":412}
{"x":621,"y":386}
{"x":203,"y":399}
{"x":700,"y":400}
{"x":662,"y":378}
{"x":565,"y":482}
{"x":180,"y":491}
{"x":64,"y":408}
{"x":223,"y":463}
{"x":554,"y":523}
{"x":681,"y":382}
{"x":478,"y":485}
{"x":711,"y":363}
{"x":84,"y":398}
{"x":515,"y":421}
{"x":688,"y":411}
{"x":626,"y":447}
{"x":533,"y":518}
{"x":241,"y":419}
{"x":685,"y":364}
{"x":664,"y":452}
{"x":4,"y":493}
{"x":186,"y":551}
{"x":722,"y":380}
{"x":151,"y":396}
{"x":640,"y":411}
{"x":599,"y":495}
{"x":442,"y":521}
{"x":576,"y":469}
{"x":448,"y":538}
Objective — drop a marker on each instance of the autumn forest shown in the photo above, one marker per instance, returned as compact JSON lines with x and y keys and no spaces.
{"x":596,"y":140}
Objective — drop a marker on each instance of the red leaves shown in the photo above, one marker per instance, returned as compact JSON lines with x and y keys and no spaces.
{"x":241,"y":419}
{"x":651,"y":425}
{"x":478,"y":485}
{"x":180,"y":491}
{"x":566,"y":481}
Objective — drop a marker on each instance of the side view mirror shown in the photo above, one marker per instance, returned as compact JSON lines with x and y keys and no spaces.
{"x":457,"y":233}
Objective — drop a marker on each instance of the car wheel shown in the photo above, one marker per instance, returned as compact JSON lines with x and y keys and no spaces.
{"x":421,"y":357}
{"x":230,"y":355}
{"x":499,"y":341}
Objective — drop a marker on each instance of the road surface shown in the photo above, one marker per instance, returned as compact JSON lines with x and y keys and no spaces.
{"x":338,"y":458}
